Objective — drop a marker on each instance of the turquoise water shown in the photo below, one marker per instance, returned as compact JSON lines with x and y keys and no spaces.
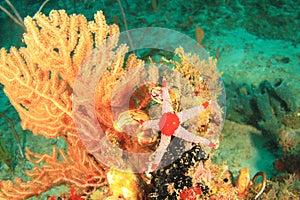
{"x":257,"y":46}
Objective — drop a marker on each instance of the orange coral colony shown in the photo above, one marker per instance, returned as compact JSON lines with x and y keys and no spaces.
{"x":39,"y":80}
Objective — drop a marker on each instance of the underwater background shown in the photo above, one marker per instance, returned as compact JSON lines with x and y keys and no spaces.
{"x":257,"y":47}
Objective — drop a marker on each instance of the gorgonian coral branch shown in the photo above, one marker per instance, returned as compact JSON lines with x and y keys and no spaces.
{"x":39,"y":78}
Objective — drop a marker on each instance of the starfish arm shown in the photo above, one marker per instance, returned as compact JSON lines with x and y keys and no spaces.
{"x":190,"y":137}
{"x":189,"y":113}
{"x":167,"y":102}
{"x":160,"y":151}
{"x":153,"y":124}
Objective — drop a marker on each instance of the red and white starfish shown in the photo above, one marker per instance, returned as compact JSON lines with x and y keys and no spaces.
{"x":169,"y":125}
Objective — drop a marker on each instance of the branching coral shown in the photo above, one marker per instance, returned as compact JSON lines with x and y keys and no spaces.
{"x":39,"y":80}
{"x":77,"y":169}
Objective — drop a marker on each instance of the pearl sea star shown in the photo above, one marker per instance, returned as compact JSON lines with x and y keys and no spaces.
{"x":169,"y":125}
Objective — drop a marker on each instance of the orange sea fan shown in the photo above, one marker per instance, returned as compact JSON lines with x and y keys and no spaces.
{"x":39,"y":80}
{"x":77,"y":169}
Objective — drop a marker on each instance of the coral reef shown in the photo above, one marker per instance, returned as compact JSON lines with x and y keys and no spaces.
{"x":39,"y":80}
{"x":267,"y":19}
